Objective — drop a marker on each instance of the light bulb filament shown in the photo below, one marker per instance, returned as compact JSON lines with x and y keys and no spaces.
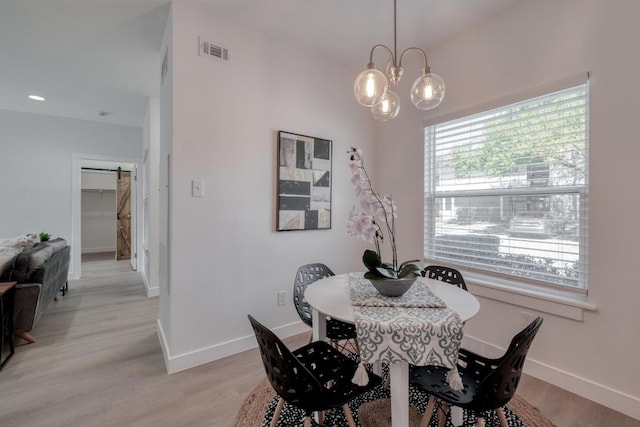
{"x":428,"y":91}
{"x":371,"y":87}
{"x":385,"y":106}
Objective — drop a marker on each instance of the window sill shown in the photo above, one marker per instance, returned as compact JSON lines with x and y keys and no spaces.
{"x":563,"y":304}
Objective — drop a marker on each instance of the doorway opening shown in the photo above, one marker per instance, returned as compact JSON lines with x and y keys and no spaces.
{"x":105,"y":210}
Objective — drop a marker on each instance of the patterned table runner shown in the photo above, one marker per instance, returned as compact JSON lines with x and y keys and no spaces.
{"x":418,"y":296}
{"x":416,"y":328}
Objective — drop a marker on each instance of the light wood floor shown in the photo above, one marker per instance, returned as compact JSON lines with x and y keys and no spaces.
{"x":98,"y":362}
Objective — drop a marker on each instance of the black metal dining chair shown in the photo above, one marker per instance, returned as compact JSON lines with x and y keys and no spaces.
{"x":314,"y":378}
{"x":445,"y":274}
{"x":488,"y":383}
{"x":337,"y":331}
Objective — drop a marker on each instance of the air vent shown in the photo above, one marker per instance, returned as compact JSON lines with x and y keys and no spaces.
{"x":212,"y":50}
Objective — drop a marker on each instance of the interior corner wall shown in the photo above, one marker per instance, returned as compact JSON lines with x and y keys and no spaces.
{"x":151,"y":145}
{"x":164,"y":155}
{"x":36,"y":173}
{"x":227,"y":260}
{"x":530,"y":45}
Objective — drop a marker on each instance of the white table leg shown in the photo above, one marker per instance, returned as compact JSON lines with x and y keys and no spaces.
{"x":377,"y":368}
{"x":319,"y":321}
{"x":399,"y":372}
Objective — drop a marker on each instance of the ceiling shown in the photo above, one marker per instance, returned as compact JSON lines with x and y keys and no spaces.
{"x":92,"y":56}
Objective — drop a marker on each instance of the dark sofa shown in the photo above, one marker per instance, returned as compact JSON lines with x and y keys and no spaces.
{"x":41,"y":272}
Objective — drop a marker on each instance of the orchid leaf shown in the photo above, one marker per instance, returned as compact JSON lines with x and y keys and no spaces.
{"x":409,"y":270}
{"x":372,"y":276}
{"x":389,"y":273}
{"x":371,"y":260}
{"x":409,"y":262}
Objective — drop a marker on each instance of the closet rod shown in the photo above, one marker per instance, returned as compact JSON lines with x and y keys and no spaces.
{"x":104,"y":170}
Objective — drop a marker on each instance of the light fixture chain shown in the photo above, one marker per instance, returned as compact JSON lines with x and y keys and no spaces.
{"x":395,"y":34}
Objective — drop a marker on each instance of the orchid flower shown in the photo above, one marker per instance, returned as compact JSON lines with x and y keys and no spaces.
{"x":362,"y":226}
{"x":374,"y":207}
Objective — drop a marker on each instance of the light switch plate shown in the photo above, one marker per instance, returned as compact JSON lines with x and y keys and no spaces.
{"x":282,"y":298}
{"x":197,"y":188}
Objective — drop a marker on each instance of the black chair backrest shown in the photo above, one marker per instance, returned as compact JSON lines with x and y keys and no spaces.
{"x":288,"y":377}
{"x":306,"y":275}
{"x":499,"y":386}
{"x":445,"y":274}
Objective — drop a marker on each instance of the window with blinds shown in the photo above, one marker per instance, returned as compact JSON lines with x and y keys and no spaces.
{"x":506,"y":190}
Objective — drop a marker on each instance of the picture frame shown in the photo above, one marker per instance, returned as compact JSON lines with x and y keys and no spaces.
{"x":304,"y":182}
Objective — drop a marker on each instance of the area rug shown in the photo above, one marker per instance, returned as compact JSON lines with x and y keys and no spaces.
{"x":260,"y":404}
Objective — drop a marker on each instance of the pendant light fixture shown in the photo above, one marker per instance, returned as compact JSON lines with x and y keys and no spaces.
{"x":371,"y":87}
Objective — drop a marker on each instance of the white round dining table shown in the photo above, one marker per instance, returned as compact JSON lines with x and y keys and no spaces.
{"x":331,"y":297}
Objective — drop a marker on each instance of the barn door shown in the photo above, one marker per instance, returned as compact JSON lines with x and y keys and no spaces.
{"x":123,"y":203}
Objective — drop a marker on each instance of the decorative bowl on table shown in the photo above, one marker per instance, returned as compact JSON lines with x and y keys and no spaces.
{"x":393,"y":287}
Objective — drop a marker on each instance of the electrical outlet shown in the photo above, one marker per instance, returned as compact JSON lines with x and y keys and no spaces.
{"x":282,"y":295}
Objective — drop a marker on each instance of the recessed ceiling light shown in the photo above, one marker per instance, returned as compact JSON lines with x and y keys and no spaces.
{"x":36,"y":97}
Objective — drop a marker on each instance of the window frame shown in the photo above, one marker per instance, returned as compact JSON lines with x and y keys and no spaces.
{"x":502,"y":281}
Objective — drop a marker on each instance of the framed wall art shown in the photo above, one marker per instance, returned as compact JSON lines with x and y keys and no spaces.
{"x":304,"y":182}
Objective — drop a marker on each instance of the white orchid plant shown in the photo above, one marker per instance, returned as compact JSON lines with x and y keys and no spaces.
{"x":375,"y":220}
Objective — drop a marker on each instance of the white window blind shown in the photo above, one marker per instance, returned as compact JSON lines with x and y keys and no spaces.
{"x":506,"y":190}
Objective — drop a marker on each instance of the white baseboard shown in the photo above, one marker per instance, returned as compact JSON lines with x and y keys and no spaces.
{"x":600,"y":393}
{"x":151,"y":291}
{"x":191,"y":359}
{"x":164,"y":345}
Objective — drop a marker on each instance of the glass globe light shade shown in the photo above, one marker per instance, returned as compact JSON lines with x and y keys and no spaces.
{"x":387,"y":108}
{"x":370,"y":86}
{"x":427,"y":91}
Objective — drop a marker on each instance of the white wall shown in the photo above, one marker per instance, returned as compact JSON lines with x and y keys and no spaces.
{"x":98,"y":221}
{"x":98,"y":211}
{"x":151,"y":145}
{"x":166,"y":140}
{"x":226,"y":259}
{"x":532,"y":44}
{"x":36,"y":172}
